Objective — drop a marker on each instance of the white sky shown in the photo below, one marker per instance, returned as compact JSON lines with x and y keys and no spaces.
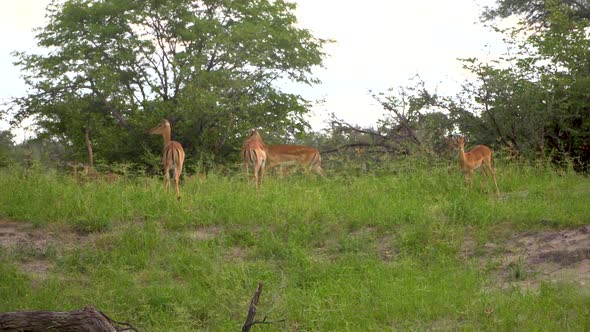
{"x":379,"y":44}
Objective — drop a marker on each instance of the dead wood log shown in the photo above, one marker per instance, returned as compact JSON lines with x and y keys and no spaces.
{"x":87,"y":319}
{"x":252,"y":310}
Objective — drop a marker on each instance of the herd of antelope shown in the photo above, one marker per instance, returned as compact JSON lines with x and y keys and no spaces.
{"x":258,"y":154}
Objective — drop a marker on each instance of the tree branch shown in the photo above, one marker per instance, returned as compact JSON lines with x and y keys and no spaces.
{"x":252,"y":310}
{"x":401,"y":118}
{"x":361,"y":145}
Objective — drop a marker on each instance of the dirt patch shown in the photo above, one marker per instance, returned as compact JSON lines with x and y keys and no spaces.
{"x":205,"y":233}
{"x":19,"y":235}
{"x":22,"y":235}
{"x":385,"y":248}
{"x":32,"y":247}
{"x":531,"y":257}
{"x":236,"y":253}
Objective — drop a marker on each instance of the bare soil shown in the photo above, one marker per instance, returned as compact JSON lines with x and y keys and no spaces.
{"x":33,"y":244}
{"x":526,"y":259}
{"x":205,"y":233}
{"x":20,"y":235}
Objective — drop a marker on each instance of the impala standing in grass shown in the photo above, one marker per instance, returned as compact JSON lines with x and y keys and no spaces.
{"x":253,"y":152}
{"x":172,"y":156}
{"x":480,"y":155}
{"x":288,"y":154}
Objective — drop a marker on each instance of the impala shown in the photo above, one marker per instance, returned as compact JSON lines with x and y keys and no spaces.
{"x":289,"y":154}
{"x":253,"y":152}
{"x":480,"y":155}
{"x":172,"y":155}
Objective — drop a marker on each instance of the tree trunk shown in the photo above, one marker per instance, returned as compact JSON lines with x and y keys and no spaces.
{"x":83,"y":320}
{"x":89,"y":148}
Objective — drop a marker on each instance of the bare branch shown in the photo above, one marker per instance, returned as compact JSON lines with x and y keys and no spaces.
{"x":401,"y":118}
{"x":252,"y":310}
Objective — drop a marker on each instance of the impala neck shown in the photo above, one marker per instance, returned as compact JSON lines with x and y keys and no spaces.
{"x":166,"y":134}
{"x":462,"y":154}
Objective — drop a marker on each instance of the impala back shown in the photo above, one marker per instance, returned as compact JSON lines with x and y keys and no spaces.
{"x":288,"y":154}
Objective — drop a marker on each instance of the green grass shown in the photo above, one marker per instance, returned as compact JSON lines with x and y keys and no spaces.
{"x":366,"y":253}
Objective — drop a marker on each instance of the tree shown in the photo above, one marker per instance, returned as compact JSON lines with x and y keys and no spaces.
{"x":6,"y":148}
{"x":417,"y":121}
{"x":117,"y":67}
{"x":536,"y":12}
{"x":536,"y":100}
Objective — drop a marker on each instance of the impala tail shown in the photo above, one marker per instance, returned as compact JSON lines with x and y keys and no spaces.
{"x":254,"y":152}
{"x":172,"y":155}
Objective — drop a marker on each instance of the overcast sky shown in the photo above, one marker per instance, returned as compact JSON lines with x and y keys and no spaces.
{"x":379,"y":44}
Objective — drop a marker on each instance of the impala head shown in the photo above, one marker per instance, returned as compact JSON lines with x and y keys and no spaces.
{"x":460,"y":142}
{"x":254,"y":133}
{"x":161,"y":128}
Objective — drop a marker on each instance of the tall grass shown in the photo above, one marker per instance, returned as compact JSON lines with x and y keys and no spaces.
{"x":336,"y":254}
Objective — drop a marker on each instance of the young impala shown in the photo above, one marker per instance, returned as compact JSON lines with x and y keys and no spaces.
{"x":480,"y":155}
{"x":172,"y":155}
{"x":253,"y":152}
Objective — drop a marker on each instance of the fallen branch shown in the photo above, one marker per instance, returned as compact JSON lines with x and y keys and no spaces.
{"x":252,"y":310}
{"x":87,"y":319}
{"x":387,"y":147}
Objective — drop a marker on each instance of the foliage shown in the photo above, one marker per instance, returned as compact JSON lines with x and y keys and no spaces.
{"x":536,"y":99}
{"x":6,"y":148}
{"x":536,"y":12}
{"x":118,"y":67}
{"x":531,"y":103}
{"x":415,"y":125}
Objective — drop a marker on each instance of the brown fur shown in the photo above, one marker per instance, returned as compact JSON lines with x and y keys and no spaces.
{"x":254,"y":152}
{"x":480,"y":155}
{"x":172,"y":155}
{"x":288,"y":154}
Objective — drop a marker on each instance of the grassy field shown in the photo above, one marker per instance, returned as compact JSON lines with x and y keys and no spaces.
{"x":366,"y":253}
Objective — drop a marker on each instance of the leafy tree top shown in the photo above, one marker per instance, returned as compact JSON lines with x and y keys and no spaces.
{"x":536,"y":12}
{"x":209,"y":65}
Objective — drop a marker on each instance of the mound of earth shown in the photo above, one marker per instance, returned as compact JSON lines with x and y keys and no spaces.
{"x":531,"y":257}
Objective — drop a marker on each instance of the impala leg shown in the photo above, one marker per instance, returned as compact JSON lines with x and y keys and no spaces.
{"x":484,"y":182}
{"x":177,"y":172}
{"x":176,"y":188}
{"x":494,"y":178}
{"x":262,"y":169}
{"x":167,"y":178}
{"x":271,"y":166}
{"x":470,"y":179}
{"x":319,"y":170}
{"x":247,"y":168}
{"x":466,"y":179}
{"x":256,"y":169}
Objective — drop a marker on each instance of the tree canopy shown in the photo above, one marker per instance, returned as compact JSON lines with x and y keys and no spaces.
{"x":533,"y":102}
{"x":536,"y":12}
{"x":210,"y":66}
